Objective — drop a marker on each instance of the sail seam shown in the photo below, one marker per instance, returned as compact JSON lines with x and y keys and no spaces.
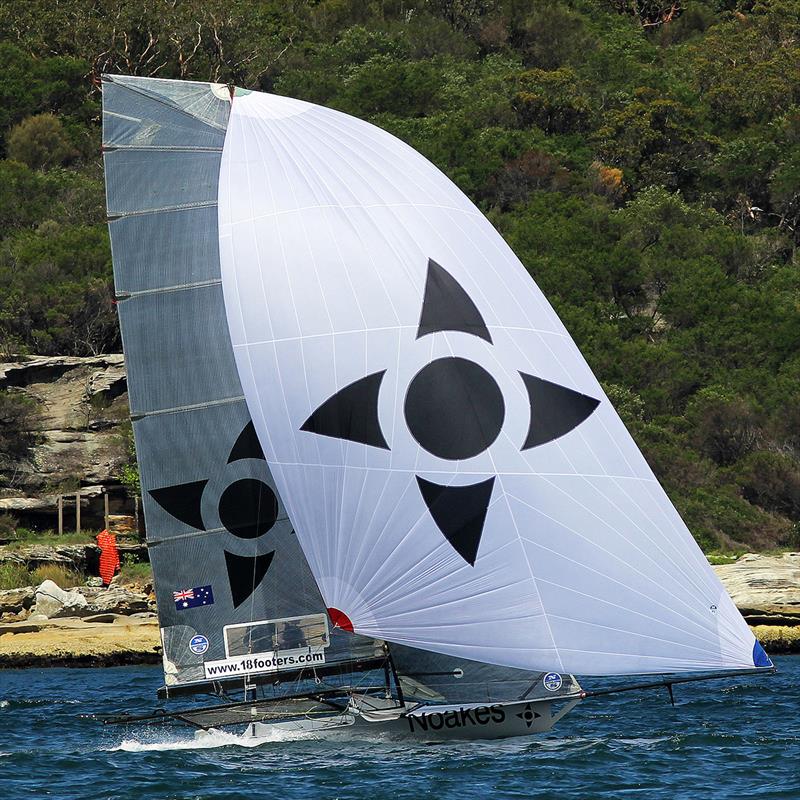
{"x":483,"y":472}
{"x":137,"y":415}
{"x":343,"y":206}
{"x":380,"y":329}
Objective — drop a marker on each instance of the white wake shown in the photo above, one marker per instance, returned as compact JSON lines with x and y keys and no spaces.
{"x":206,"y":740}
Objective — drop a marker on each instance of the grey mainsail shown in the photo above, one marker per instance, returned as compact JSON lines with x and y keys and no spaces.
{"x":222,"y":548}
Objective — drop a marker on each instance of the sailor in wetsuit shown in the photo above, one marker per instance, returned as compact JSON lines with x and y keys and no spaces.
{"x":291,"y":637}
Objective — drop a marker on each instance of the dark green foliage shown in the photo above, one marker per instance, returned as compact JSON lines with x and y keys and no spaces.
{"x":17,"y":413}
{"x":642,"y":158}
{"x":40,"y":142}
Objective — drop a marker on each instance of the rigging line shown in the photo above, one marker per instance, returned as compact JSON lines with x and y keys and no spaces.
{"x":139,"y":415}
{"x":182,"y":536}
{"x":159,"y":148}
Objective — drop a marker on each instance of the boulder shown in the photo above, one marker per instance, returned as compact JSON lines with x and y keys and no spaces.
{"x":115,"y":600}
{"x":52,"y":601}
{"x":16,"y":602}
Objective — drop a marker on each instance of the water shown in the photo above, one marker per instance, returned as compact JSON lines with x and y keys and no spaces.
{"x":740,"y":740}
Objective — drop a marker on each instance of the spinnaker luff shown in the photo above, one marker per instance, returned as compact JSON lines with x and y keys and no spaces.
{"x":456,"y":476}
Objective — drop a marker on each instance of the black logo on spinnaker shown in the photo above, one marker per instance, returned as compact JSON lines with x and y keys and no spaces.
{"x":247,"y":507}
{"x":454,"y":409}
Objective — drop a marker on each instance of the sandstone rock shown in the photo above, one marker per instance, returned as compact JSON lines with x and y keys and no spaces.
{"x":53,"y":601}
{"x":74,"y":642}
{"x":764,"y":586}
{"x":115,"y":600}
{"x":78,"y":557}
{"x":80,"y":405}
{"x":16,"y":601}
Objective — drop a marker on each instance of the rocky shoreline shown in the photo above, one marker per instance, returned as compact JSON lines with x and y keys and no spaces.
{"x":91,"y":626}
{"x":88,"y":626}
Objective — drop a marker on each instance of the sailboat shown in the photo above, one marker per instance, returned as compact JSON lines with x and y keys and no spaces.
{"x":383,"y":490}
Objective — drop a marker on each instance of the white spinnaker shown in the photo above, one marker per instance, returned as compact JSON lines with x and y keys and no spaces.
{"x":327,"y":225}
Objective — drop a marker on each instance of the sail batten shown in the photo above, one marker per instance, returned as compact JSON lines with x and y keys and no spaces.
{"x":576,"y":559}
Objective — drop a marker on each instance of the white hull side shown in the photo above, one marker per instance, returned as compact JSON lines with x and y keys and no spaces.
{"x":428,"y":722}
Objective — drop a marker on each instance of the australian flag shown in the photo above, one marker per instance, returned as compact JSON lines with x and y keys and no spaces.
{"x":192,"y":598}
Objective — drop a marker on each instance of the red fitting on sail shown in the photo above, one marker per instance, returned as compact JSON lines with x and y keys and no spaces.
{"x":340,"y":619}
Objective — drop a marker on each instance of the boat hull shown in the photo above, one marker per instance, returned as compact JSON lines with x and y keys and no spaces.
{"x":368,"y":716}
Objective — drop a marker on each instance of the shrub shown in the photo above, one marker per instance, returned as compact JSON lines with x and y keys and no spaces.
{"x":8,"y":526}
{"x":62,"y":576}
{"x":13,"y":576}
{"x":772,"y":481}
{"x":725,"y":427}
{"x":40,"y":142}
{"x":17,"y":414}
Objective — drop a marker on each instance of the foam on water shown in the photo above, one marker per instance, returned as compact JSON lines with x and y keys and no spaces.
{"x":207,"y":740}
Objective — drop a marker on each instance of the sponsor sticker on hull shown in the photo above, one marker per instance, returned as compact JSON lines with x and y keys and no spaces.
{"x":464,"y":717}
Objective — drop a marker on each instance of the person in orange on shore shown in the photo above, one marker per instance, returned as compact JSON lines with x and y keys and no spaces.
{"x":109,"y":556}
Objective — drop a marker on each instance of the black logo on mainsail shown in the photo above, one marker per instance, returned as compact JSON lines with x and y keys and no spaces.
{"x":248,"y":508}
{"x":454,"y":409}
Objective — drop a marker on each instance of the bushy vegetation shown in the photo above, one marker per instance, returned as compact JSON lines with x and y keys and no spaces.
{"x":134,"y":571}
{"x":13,"y":575}
{"x":642,"y":158}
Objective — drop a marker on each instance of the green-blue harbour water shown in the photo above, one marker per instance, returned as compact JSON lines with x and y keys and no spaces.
{"x":734,"y":740}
